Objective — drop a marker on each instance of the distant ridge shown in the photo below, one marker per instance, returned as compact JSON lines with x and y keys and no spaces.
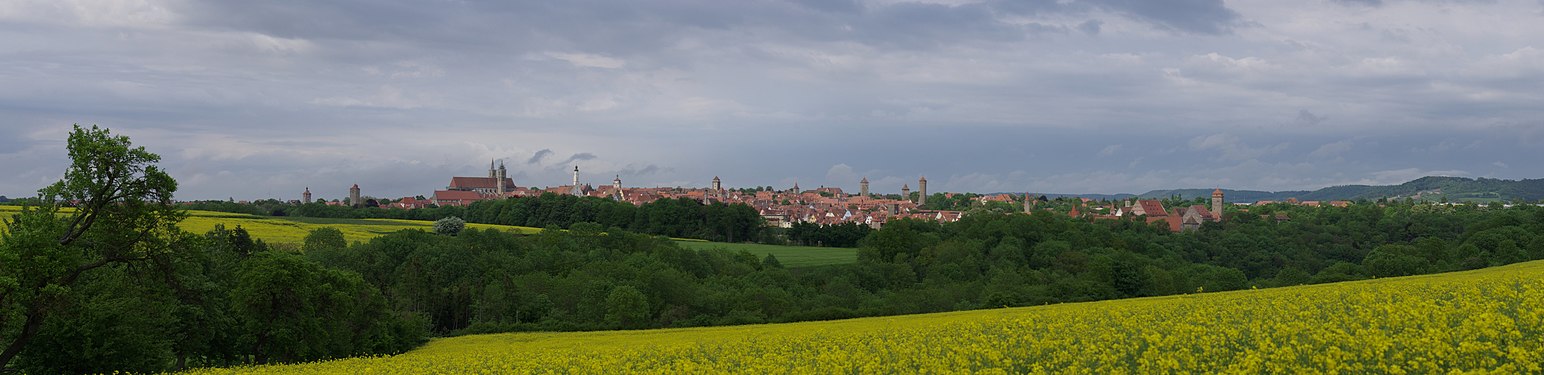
{"x":1430,"y":188}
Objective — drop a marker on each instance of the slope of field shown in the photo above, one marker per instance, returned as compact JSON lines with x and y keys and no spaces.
{"x":1489,"y":319}
{"x":789,"y":256}
{"x":293,"y":230}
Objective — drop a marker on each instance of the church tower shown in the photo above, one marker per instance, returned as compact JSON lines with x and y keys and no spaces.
{"x":353,"y":196}
{"x":905,"y":192}
{"x":717,"y":185}
{"x":796,"y":188}
{"x":577,"y":190}
{"x":491,"y":173}
{"x":616,"y":188}
{"x":1028,"y":202}
{"x":305,"y":197}
{"x":922,"y":188}
{"x":503,"y":173}
{"x":1217,"y":204}
{"x":863,"y":187}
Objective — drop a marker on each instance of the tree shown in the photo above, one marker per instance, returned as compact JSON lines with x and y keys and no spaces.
{"x":325,"y":239}
{"x":122,"y":213}
{"x":626,"y":307}
{"x":449,"y":226}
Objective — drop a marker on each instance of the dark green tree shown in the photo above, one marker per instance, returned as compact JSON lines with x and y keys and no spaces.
{"x":626,"y":307}
{"x":113,"y":206}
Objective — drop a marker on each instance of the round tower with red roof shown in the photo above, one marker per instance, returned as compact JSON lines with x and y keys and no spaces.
{"x":1217,"y":204}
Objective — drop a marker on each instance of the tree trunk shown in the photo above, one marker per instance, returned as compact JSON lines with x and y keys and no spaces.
{"x":28,"y":330}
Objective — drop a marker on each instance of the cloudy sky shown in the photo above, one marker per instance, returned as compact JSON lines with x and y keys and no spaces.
{"x":264,"y":98}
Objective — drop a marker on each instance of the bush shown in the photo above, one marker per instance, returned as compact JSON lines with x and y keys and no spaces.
{"x":449,"y":226}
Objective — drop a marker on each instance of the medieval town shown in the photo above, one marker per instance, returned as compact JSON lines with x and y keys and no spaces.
{"x":821,"y":206}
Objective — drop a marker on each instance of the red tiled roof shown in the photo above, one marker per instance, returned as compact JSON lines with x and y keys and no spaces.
{"x":1203,"y":211}
{"x":479,"y":183}
{"x":1152,"y":208}
{"x":441,"y":195}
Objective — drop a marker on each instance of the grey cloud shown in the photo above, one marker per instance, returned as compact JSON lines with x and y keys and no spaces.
{"x":578,"y":157}
{"x":647,"y":170}
{"x":1191,"y":16}
{"x":833,"y":6}
{"x":1090,"y":27}
{"x":1371,"y":3}
{"x":1332,"y":150}
{"x":1304,"y":117}
{"x":536,"y":158}
{"x":244,"y":99}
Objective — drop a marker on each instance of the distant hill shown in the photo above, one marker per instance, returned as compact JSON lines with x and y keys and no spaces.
{"x":1232,"y":195}
{"x":3,"y":199}
{"x":1430,"y":188}
{"x":1106,"y":197}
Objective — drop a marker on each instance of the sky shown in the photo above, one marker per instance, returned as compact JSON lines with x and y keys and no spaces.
{"x":262,"y":99}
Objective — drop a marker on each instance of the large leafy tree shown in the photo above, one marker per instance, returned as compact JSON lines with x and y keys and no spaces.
{"x":113,"y":206}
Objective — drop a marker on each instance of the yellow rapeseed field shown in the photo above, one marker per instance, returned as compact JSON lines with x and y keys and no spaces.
{"x":293,"y":230}
{"x":1488,"y":320}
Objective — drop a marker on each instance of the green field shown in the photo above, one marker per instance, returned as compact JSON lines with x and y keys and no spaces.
{"x":789,"y":256}
{"x":1487,"y":321}
{"x":293,"y":230}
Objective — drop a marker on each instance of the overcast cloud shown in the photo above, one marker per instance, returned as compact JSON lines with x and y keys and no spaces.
{"x":263,"y":99}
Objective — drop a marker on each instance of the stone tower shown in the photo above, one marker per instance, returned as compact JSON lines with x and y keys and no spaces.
{"x":1028,"y":202}
{"x":305,"y":197}
{"x":353,"y":196}
{"x":863,"y":187}
{"x":1217,"y":203}
{"x":576,"y":191}
{"x":500,"y":178}
{"x":905,"y":192}
{"x":491,"y":173}
{"x":717,"y":185}
{"x":796,"y":188}
{"x":922,"y":189}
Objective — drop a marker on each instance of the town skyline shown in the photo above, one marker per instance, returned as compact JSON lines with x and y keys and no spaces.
{"x":1084,"y":96}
